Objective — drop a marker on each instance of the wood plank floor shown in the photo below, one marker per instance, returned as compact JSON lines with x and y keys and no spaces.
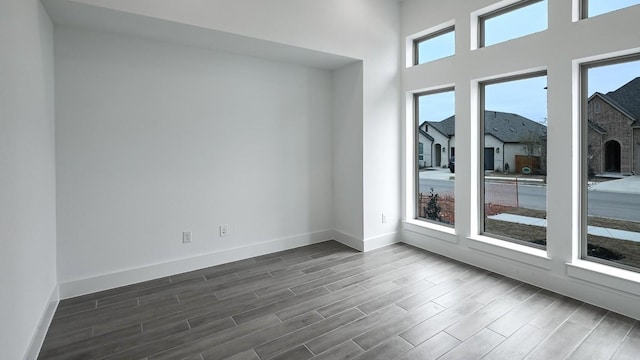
{"x":326,"y":301}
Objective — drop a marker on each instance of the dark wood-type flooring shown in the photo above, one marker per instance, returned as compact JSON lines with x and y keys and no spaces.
{"x":326,"y":301}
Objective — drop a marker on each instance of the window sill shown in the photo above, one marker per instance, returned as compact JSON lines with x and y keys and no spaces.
{"x":512,"y":251}
{"x":609,"y":276}
{"x":432,"y":230}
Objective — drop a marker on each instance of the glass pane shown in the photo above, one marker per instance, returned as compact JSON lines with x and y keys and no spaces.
{"x":597,"y":7}
{"x":437,"y":47}
{"x":613,"y":156}
{"x":515,"y":160}
{"x":436,"y":127}
{"x":513,"y":24}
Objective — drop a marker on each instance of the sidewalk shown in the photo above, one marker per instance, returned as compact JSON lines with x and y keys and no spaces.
{"x":437,"y":174}
{"x":625,"y":185}
{"x":445,"y":174}
{"x":593,"y":230}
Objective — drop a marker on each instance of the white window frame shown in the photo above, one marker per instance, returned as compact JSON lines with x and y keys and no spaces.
{"x":411,"y":221}
{"x":418,"y":41}
{"x":583,"y":9}
{"x":493,"y":11}
{"x":410,"y":47}
{"x":583,"y":161}
{"x":478,"y":240}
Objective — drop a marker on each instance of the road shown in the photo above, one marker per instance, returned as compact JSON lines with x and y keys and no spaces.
{"x":605,"y":204}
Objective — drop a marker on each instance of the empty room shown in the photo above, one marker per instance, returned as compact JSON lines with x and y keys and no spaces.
{"x":319,"y":179}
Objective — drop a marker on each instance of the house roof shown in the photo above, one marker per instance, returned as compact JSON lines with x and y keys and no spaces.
{"x":627,"y":97}
{"x":596,"y":127}
{"x":447,"y":126}
{"x":507,"y":127}
{"x":425,"y":127}
{"x":609,"y":100}
{"x":424,"y":133}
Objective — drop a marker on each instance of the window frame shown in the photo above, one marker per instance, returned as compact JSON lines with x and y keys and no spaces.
{"x":417,"y":41}
{"x":584,"y":165}
{"x":482,"y":19}
{"x":481,"y":146}
{"x":584,"y":9}
{"x":416,"y":140}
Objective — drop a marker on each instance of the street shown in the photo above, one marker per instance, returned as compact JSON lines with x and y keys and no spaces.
{"x":604,"y":204}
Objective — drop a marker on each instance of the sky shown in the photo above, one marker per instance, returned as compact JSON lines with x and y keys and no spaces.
{"x":526,"y":97}
{"x":609,"y":78}
{"x":598,"y":7}
{"x":519,"y":22}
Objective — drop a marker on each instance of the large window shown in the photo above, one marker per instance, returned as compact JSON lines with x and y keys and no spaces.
{"x":592,"y":8}
{"x":434,"y":46}
{"x":514,"y":157}
{"x":435,"y":136}
{"x":611,"y":155}
{"x":519,"y":19}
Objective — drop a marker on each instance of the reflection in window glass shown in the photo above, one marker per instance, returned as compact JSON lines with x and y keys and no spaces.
{"x":435,"y":127}
{"x":598,"y":7}
{"x":513,"y":22}
{"x":435,"y":46}
{"x":514,"y":155}
{"x":612,"y":129}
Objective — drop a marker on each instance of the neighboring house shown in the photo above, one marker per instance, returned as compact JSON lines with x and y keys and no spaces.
{"x":506,"y":136}
{"x":437,"y":144}
{"x":425,"y":144}
{"x":614,"y":130}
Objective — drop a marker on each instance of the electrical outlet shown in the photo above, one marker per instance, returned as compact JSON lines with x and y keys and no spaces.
{"x":224,"y":230}
{"x":186,"y":237}
{"x":384,"y":218}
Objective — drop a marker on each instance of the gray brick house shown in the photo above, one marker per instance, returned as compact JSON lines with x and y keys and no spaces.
{"x":613,"y":137}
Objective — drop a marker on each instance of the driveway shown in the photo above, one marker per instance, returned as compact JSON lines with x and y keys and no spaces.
{"x":625,"y":185}
{"x":437,"y":174}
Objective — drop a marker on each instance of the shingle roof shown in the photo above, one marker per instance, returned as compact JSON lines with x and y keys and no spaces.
{"x":507,"y":127}
{"x":596,"y":127}
{"x":447,"y":126}
{"x":424,"y":133}
{"x":628,"y":97}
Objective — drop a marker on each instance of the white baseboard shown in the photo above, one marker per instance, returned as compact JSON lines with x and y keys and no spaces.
{"x":348,"y":240}
{"x":602,"y":295}
{"x":368,"y":244}
{"x":149,"y":272}
{"x":380,"y":241}
{"x":43,"y":326}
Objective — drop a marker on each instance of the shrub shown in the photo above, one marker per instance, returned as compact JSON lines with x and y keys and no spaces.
{"x":432,"y":210}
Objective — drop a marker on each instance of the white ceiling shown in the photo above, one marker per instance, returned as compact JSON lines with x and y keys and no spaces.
{"x":70,"y":13}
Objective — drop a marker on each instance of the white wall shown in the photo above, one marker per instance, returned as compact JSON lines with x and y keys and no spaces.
{"x":558,"y":49}
{"x":439,"y":138}
{"x":491,"y":141}
{"x":154,"y":139}
{"x":347,"y":154}
{"x":426,"y":151}
{"x":510,"y":152}
{"x":361,"y":29}
{"x":27,"y":177}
